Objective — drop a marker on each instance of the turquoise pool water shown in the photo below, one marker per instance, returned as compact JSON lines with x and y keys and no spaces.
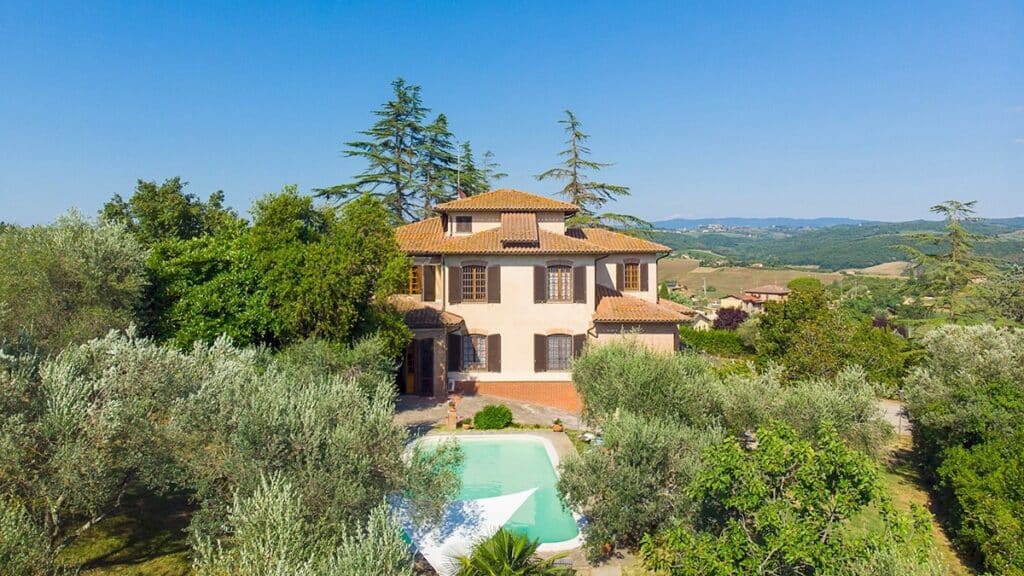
{"x":501,"y":466}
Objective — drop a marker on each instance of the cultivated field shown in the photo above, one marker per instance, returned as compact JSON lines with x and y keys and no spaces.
{"x":731,"y":280}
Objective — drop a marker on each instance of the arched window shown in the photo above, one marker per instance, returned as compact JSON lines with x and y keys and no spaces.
{"x":559,"y":283}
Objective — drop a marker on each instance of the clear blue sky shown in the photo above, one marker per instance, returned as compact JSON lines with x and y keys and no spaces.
{"x":860,"y":109}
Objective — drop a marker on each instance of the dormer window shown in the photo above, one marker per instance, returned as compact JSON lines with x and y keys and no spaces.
{"x":463,"y":224}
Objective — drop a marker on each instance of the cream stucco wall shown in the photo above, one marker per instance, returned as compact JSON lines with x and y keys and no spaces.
{"x":606,"y":273}
{"x":550,"y":221}
{"x":517,"y":318}
{"x":660,"y":337}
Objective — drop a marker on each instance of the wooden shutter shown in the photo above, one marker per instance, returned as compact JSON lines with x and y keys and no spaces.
{"x":578,"y":342}
{"x":455,"y":284}
{"x":425,"y":369}
{"x":579,"y":284}
{"x":494,"y":284}
{"x":454,"y":353}
{"x":494,"y":353}
{"x":540,"y":286}
{"x":644,"y":286}
{"x":540,"y":353}
{"x":620,"y":277}
{"x":429,"y":291}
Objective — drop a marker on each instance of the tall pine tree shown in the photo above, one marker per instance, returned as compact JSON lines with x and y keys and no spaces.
{"x":437,"y":172}
{"x":471,"y":178}
{"x":392,"y":154}
{"x":589,"y":195}
{"x":948,"y":272}
{"x":490,"y":169}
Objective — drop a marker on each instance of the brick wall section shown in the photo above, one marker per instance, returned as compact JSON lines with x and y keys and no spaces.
{"x":561,"y":395}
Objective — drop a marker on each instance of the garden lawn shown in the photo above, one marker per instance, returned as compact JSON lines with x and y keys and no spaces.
{"x":146,"y":539}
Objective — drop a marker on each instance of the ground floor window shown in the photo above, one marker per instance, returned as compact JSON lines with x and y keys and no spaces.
{"x":559,"y":351}
{"x":474,"y":352}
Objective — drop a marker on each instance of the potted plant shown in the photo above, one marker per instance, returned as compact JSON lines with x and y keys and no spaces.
{"x":557,"y":426}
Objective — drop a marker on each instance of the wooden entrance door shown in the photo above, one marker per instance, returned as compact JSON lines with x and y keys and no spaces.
{"x":425,"y":367}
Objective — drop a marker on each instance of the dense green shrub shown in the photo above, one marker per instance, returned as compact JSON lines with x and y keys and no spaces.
{"x":813,"y":337}
{"x":631,"y":485}
{"x":630,"y":377}
{"x":83,"y":431}
{"x":967,"y":403}
{"x":783,"y":507}
{"x":714,"y":342}
{"x":658,"y":410}
{"x":70,"y":281}
{"x":493,"y":417}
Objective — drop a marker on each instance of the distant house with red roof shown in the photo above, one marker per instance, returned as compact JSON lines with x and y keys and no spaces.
{"x":752,"y":301}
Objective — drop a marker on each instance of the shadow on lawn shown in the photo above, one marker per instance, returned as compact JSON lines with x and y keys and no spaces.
{"x":147,"y":538}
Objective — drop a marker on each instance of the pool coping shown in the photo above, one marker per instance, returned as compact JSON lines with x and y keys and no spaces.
{"x":549,"y":448}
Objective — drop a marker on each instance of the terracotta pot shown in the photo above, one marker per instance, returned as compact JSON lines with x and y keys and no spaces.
{"x":557,"y":427}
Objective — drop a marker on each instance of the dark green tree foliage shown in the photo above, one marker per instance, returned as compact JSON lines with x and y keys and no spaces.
{"x":967,"y":403}
{"x":783,"y":507}
{"x":300,"y":271}
{"x":411,"y":166}
{"x":159,"y":212}
{"x":471,"y":179}
{"x":948,"y":272}
{"x":438,"y":164}
{"x":813,"y":337}
{"x":493,"y":417}
{"x":589,"y":195}
{"x":392,"y":155}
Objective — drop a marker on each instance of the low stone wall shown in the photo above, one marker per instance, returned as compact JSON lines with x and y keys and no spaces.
{"x":561,"y":395}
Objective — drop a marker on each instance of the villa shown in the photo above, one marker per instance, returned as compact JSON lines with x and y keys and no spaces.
{"x":503,"y":295}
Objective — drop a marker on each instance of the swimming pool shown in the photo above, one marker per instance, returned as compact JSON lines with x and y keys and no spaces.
{"x":508,"y":480}
{"x":502,"y":464}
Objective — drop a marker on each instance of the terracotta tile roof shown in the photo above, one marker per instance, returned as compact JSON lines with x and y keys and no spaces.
{"x":506,"y":200}
{"x":633,"y":310}
{"x":613,"y":241}
{"x":518,"y":228}
{"x":489,"y":242}
{"x":419,"y":315}
{"x":427,"y":237}
{"x":686,"y":312}
{"x":423,"y":237}
{"x":769,"y":289}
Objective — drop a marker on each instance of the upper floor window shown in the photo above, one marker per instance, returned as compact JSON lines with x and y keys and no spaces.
{"x":474,"y":352}
{"x":559,"y":351}
{"x":559,"y":283}
{"x":463,"y":224}
{"x":474,"y":283}
{"x":414,"y":285}
{"x":631,"y":277}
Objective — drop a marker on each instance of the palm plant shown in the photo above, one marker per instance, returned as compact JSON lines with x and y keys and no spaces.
{"x":508,"y":553}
